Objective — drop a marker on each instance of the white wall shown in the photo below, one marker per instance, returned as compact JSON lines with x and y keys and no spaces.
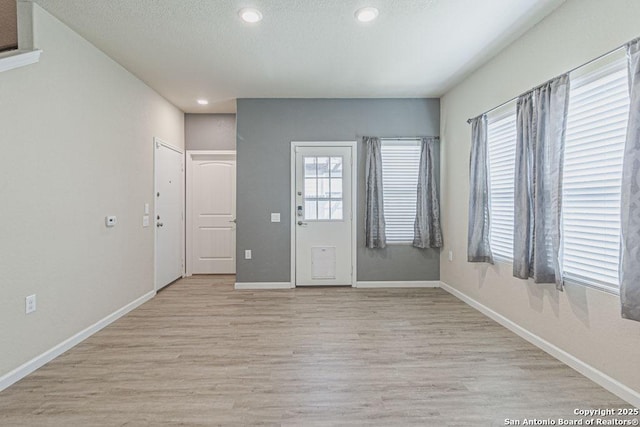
{"x":76,"y":134}
{"x":582,"y":321}
{"x":210,"y":131}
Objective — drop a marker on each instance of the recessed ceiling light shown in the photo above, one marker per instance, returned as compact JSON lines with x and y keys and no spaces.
{"x":250,"y":15}
{"x":203,"y":102}
{"x":366,"y":14}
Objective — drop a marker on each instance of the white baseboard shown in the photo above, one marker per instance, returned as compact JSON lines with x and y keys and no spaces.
{"x":406,"y":284}
{"x":262,"y":285}
{"x":599,"y":377}
{"x":44,"y":358}
{"x":363,"y":285}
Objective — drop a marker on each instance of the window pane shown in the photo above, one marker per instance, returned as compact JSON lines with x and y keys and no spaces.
{"x":336,"y":188}
{"x":336,"y":209}
{"x":400,"y":164}
{"x":310,"y":167}
{"x":592,"y":174}
{"x":336,"y":167}
{"x":324,"y":209}
{"x":310,"y":187}
{"x":323,"y":181}
{"x":323,"y":187}
{"x":310,"y":208}
{"x":323,"y":166}
{"x":501,"y":138}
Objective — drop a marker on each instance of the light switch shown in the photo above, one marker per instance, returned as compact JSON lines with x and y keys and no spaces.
{"x":247,"y":254}
{"x":275,"y":217}
{"x":146,"y":208}
{"x":145,"y":221}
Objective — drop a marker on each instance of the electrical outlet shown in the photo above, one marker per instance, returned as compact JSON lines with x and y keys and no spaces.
{"x":30,"y":304}
{"x":247,"y":254}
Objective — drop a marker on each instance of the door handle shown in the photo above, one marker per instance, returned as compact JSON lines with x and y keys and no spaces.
{"x":303,"y":224}
{"x":159,"y":224}
{"x":233,"y":221}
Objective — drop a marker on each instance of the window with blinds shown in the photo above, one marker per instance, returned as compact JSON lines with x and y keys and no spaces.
{"x":400,"y":164}
{"x":592,"y":174}
{"x":501,"y":138}
{"x":595,"y":138}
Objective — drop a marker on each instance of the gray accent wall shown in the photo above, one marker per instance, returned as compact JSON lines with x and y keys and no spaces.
{"x":265,"y":129}
{"x":210,"y":131}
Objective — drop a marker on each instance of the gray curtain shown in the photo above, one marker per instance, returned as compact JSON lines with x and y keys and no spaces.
{"x":374,"y":226}
{"x":427,"y":231}
{"x":525,"y":134}
{"x":478,"y":244}
{"x":541,"y":127}
{"x":630,"y":218}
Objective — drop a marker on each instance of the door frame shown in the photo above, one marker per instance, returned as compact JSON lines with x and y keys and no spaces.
{"x":354,"y":197}
{"x":191,"y":156}
{"x":157,"y":142}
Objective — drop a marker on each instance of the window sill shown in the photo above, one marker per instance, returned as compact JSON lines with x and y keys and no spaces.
{"x":507,"y":263}
{"x":597,"y":287}
{"x":18,"y":58}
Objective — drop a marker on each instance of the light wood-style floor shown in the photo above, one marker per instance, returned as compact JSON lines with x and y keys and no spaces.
{"x":201,"y":353}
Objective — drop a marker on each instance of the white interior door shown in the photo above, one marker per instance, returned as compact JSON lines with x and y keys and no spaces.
{"x":169,"y":214}
{"x":211,"y":213}
{"x":323,"y":217}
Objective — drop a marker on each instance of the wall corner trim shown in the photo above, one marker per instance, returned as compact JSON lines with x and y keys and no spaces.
{"x":395,"y":284}
{"x":246,"y":286}
{"x":37,"y":362}
{"x":614,"y":386}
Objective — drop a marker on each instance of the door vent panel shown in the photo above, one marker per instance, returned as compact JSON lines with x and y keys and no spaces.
{"x":323,"y":262}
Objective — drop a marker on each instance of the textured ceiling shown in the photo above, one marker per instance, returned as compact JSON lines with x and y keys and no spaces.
{"x":189,"y":49}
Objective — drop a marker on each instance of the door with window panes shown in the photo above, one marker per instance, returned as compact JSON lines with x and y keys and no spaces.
{"x":323,"y":216}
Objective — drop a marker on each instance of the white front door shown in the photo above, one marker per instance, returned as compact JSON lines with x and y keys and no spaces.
{"x":169,"y":213}
{"x":323,"y":218}
{"x":211,"y":212}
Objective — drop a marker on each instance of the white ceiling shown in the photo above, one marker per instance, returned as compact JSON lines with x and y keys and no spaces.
{"x":189,"y":49}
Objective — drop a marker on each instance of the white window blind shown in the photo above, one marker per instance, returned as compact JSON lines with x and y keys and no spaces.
{"x":400,"y":164}
{"x":596,"y":130}
{"x":501,"y":136}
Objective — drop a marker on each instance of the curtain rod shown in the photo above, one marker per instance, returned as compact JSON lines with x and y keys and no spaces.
{"x":407,"y":138}
{"x":540,"y":85}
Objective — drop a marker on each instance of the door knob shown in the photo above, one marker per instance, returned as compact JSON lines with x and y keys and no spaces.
{"x":159,"y":224}
{"x":302,"y":223}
